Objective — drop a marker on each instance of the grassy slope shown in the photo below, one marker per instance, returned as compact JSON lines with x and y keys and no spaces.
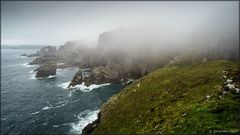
{"x":174,"y":100}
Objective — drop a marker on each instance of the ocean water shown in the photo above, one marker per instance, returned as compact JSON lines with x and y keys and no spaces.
{"x":30,"y":106}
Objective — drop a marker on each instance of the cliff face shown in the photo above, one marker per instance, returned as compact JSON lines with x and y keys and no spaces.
{"x":72,"y":53}
{"x":191,"y":99}
{"x":135,"y":49}
{"x":121,"y":56}
{"x":132,"y":53}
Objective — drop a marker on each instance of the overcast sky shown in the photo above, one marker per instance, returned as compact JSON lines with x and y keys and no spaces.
{"x":54,"y":23}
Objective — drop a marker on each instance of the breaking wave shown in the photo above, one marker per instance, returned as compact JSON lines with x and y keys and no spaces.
{"x":27,"y":65}
{"x":83,"y":87}
{"x":85,"y":118}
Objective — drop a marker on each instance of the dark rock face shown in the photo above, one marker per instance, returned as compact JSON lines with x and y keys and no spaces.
{"x":46,"y":70}
{"x":101,"y":75}
{"x":90,"y":76}
{"x":83,"y":75}
{"x":77,"y":79}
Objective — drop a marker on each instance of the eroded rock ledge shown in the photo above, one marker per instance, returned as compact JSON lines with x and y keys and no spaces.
{"x":101,"y":75}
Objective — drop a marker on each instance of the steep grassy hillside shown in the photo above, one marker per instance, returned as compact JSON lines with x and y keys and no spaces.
{"x":189,"y":99}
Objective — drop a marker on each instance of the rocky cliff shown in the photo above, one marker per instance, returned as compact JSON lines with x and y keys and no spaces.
{"x":192,"y":99}
{"x":124,"y":54}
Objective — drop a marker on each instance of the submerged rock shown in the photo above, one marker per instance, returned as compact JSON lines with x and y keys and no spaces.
{"x":46,"y":70}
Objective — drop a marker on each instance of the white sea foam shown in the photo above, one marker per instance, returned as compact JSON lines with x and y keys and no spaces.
{"x":60,"y":105}
{"x":70,"y":93}
{"x":56,"y":126}
{"x":31,"y":72}
{"x":129,"y":80}
{"x":60,"y":64}
{"x":85,"y":118}
{"x":51,"y":106}
{"x":52,"y":76}
{"x":58,"y":72}
{"x":64,"y":85}
{"x":22,"y":56}
{"x":46,"y":108}
{"x":27,"y":65}
{"x":32,"y":77}
{"x":59,"y":69}
{"x":61,"y":125}
{"x":83,"y":87}
{"x":35,"y":112}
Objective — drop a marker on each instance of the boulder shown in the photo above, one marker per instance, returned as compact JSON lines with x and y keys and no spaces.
{"x":46,"y":70}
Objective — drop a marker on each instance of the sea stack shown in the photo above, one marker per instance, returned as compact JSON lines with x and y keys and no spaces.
{"x":46,"y":70}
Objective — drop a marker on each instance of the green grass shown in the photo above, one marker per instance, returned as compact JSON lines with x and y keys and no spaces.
{"x":174,"y":100}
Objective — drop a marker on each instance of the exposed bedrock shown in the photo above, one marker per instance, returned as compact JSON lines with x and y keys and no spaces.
{"x":46,"y":70}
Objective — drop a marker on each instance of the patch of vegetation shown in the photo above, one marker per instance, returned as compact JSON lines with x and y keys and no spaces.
{"x":185,"y":99}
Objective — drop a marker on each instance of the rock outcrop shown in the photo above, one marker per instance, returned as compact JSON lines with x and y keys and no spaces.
{"x":100,"y":75}
{"x":77,"y":79}
{"x":90,"y":76}
{"x":46,"y":70}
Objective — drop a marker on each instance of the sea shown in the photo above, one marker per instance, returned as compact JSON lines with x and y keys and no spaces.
{"x":47,"y":106}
